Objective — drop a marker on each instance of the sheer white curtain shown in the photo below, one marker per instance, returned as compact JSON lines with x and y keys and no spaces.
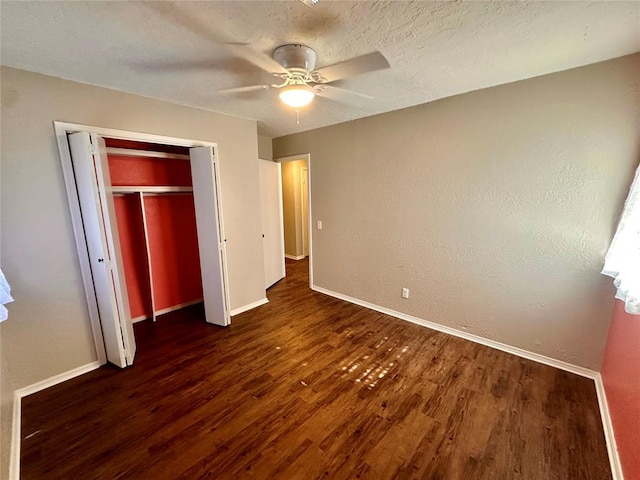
{"x":623,"y":258}
{"x":5,"y":297}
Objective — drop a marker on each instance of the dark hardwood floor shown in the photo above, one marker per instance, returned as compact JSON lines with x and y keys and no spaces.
{"x":310,"y":387}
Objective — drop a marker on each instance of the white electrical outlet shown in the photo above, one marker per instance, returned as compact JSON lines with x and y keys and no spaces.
{"x":405,"y":293}
{"x":319,"y":224}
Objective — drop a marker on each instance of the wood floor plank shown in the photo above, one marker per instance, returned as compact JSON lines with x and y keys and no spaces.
{"x":311,"y":387}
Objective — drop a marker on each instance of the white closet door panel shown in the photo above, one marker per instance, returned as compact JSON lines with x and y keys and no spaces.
{"x":113,"y":241}
{"x":272,"y":221}
{"x":97,"y":231}
{"x":211,"y":242}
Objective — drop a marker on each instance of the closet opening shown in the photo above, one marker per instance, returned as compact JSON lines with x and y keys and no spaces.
{"x":155,"y":214}
{"x":148,"y":225}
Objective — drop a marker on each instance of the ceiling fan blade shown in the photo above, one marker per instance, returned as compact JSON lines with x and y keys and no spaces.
{"x":350,"y":68}
{"x":343,"y":95}
{"x":250,"y":88}
{"x":170,"y":12}
{"x":259,"y":59}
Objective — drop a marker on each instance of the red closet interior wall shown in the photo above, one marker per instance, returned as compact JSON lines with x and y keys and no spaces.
{"x":173,"y":243}
{"x":171,"y":230}
{"x":147,"y":172}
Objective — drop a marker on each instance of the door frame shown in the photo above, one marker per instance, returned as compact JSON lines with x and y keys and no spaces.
{"x":307,"y":157}
{"x":305,"y":232}
{"x":61,"y":131}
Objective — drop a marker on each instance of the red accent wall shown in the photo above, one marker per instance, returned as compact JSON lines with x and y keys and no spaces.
{"x":131,"y":232}
{"x":127,"y":171}
{"x":173,"y":242}
{"x":621,"y":378}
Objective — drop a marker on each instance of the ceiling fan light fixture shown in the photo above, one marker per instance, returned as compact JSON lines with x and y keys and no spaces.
{"x":297,"y":96}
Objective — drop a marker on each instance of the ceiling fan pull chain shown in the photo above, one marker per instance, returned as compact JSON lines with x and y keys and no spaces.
{"x":298,"y":117}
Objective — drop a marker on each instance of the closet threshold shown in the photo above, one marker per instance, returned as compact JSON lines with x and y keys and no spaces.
{"x":149,"y":189}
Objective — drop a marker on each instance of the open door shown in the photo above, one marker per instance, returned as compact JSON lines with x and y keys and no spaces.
{"x":91,"y":171}
{"x":211,"y":241}
{"x":272,"y":221}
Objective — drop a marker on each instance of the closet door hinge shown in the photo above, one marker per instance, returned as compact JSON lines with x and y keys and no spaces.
{"x":92,"y":148}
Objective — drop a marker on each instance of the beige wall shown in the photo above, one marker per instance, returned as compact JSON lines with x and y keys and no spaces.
{"x":265,"y":151}
{"x":494,"y":207}
{"x":292,"y":205}
{"x":48,"y":331}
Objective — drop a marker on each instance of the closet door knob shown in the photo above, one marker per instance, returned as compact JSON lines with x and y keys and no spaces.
{"x":101,"y":260}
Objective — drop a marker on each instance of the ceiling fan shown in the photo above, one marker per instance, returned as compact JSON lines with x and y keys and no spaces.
{"x":300,"y":82}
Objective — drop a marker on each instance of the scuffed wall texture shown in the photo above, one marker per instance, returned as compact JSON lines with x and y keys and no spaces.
{"x":265,"y":151}
{"x":495,"y":208}
{"x":621,"y":377}
{"x":48,"y":331}
{"x":291,"y":206}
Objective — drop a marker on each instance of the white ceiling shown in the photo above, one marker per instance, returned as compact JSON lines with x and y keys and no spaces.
{"x":173,"y":50}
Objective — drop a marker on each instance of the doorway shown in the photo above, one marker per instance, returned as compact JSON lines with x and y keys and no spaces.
{"x":296,"y":200}
{"x":91,"y":194}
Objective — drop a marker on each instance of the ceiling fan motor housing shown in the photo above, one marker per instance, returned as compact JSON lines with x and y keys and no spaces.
{"x":296,"y":57}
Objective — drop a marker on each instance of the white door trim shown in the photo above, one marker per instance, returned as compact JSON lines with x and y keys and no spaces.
{"x":305,"y":231}
{"x":61,"y":131}
{"x":307,"y":157}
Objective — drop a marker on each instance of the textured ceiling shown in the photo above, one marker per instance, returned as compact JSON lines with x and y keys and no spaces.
{"x":174,"y":50}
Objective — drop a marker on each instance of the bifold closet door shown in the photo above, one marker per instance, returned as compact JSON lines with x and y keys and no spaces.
{"x":88,"y":153}
{"x":211,"y":242}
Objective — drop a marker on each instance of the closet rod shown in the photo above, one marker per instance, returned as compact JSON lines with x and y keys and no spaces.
{"x":149,"y":189}
{"x":130,"y":152}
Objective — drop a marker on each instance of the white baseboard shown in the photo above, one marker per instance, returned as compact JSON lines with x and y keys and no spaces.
{"x":239,"y":310}
{"x":18,"y":395}
{"x":56,"y":379}
{"x":170,"y":309}
{"x":141,"y":318}
{"x":292,"y":257}
{"x":536,"y":357}
{"x":173,"y":308}
{"x":612,"y":449}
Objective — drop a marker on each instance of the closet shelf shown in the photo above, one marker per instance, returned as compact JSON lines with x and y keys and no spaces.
{"x":129,"y":152}
{"x":149,"y":189}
